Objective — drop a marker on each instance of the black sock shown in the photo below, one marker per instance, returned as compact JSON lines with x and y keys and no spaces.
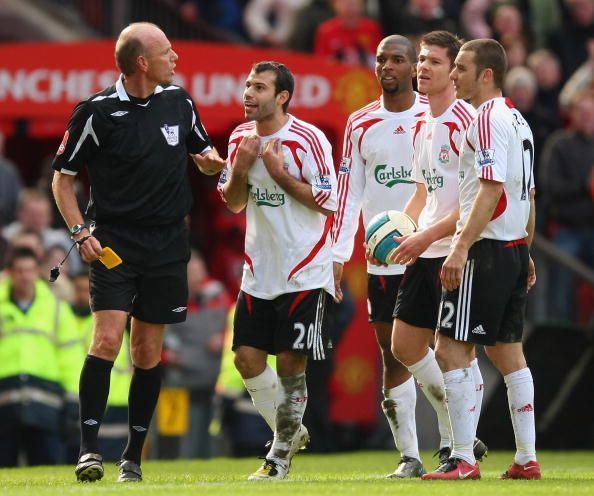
{"x":92,"y":393}
{"x":144,"y":393}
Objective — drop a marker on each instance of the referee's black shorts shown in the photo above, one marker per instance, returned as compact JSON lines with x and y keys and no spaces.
{"x":151,"y":282}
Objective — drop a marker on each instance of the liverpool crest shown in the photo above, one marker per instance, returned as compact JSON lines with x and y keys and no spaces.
{"x":444,"y":154}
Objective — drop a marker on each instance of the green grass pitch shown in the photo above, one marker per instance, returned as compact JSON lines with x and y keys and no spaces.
{"x":360,"y":473}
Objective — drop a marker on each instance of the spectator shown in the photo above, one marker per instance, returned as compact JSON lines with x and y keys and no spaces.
{"x":34,"y":213}
{"x":10,"y":186}
{"x":545,"y":18}
{"x":545,"y":66}
{"x":271,"y":22}
{"x":516,"y":49}
{"x":24,"y":239}
{"x":40,"y":359}
{"x":307,"y":20}
{"x":581,"y":80}
{"x":569,"y":42}
{"x":474,"y":19}
{"x":507,"y":21}
{"x":349,"y":37}
{"x":192,"y":354}
{"x":217,"y":21}
{"x":521,"y":87}
{"x":415,"y":17}
{"x":567,"y":173}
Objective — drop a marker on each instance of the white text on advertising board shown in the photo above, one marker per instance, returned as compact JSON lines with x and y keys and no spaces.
{"x":226,"y":89}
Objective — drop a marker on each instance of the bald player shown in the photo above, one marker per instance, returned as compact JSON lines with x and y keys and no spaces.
{"x":134,"y":138}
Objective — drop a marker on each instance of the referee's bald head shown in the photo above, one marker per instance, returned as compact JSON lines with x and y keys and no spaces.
{"x":396,"y":39}
{"x":132,"y":42}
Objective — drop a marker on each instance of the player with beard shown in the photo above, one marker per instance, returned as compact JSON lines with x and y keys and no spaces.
{"x":280,"y":170}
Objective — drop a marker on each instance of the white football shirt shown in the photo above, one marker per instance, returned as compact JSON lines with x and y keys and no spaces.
{"x":437,"y":142}
{"x":375,"y":172}
{"x":499,"y":147}
{"x":288,"y":246}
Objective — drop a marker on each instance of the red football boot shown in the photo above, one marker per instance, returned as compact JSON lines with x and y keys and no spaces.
{"x":530,"y":471}
{"x":455,"y":469}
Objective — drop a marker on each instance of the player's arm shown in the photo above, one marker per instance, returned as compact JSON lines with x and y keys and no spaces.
{"x":413,"y":245}
{"x":530,"y":230}
{"x":301,"y":191}
{"x":416,"y":203}
{"x":490,"y":165}
{"x":235,"y":187}
{"x":209,"y":162}
{"x":351,"y":177}
{"x":481,"y":213}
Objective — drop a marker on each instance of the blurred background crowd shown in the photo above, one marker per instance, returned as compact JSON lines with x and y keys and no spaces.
{"x":203,"y":409}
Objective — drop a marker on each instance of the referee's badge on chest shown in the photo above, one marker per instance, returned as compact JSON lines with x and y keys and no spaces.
{"x":171,"y":134}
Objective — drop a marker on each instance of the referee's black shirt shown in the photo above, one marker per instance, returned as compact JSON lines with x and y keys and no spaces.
{"x":136,"y":152}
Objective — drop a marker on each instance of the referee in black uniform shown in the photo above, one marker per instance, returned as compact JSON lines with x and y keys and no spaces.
{"x":134,"y":137}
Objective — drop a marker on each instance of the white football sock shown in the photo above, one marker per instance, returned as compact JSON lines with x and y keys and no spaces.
{"x":289,"y":414}
{"x":399,"y":408}
{"x":264,"y":390}
{"x":461,"y":397}
{"x":479,"y":388}
{"x":520,"y":396}
{"x":430,"y":379}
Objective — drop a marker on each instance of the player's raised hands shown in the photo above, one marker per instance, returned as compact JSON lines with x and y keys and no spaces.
{"x":273,"y":157}
{"x":247,"y":152}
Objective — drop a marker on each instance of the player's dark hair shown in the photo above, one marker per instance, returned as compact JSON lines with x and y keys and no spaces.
{"x":488,"y":54}
{"x":19,"y":253}
{"x":444,"y":39}
{"x":284,"y":78}
{"x":126,"y":54}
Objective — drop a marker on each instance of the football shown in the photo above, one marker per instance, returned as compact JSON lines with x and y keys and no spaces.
{"x":380,"y":232}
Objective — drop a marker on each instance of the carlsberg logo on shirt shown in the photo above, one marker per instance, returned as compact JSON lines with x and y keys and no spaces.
{"x":434,"y":181}
{"x":391,"y":176}
{"x":265,"y":198}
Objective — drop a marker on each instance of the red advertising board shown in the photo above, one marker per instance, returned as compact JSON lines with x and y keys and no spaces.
{"x":45,"y":80}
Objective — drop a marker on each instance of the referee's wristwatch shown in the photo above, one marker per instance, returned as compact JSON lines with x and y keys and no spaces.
{"x":76,"y":229}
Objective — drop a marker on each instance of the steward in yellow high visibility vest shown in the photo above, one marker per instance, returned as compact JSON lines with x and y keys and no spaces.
{"x":40,"y":360}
